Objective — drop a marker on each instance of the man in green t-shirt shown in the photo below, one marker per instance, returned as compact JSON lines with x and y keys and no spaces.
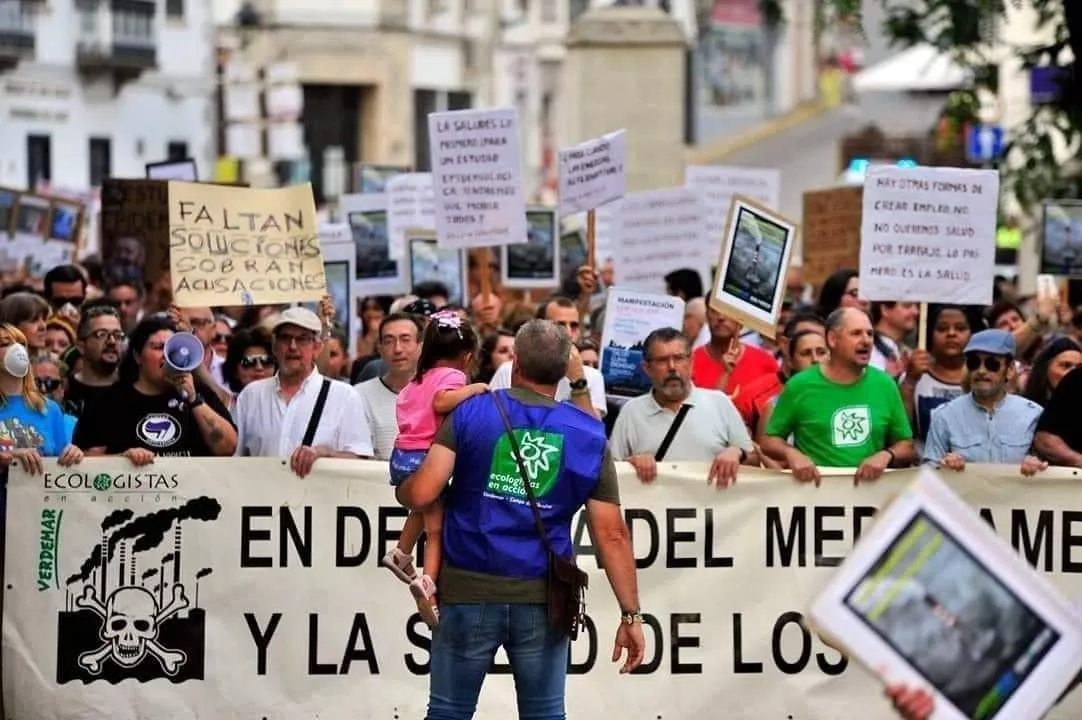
{"x":841,"y":413}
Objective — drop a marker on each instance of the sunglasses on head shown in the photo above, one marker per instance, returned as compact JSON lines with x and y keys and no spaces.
{"x":48,"y":385}
{"x":261,"y":360}
{"x":992,"y":364}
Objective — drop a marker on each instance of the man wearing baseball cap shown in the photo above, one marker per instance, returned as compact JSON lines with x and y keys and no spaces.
{"x":987,"y":424}
{"x":298,"y":413}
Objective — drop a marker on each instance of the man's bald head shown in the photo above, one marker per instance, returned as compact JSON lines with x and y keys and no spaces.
{"x":849,"y":337}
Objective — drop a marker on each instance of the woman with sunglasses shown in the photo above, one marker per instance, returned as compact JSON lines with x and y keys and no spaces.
{"x":32,"y":426}
{"x":153,"y":410}
{"x":250,"y":357}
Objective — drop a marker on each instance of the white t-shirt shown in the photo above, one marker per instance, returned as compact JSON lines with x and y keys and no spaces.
{"x":268,"y":426}
{"x":501,"y":380}
{"x":879,"y":360}
{"x":379,"y":410}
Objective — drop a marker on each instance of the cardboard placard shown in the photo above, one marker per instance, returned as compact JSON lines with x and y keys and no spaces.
{"x":831,"y":227}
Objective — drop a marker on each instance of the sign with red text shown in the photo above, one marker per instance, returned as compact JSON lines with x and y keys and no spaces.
{"x":928,"y":235}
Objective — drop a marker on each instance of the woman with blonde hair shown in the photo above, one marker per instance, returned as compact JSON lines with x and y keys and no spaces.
{"x":32,"y":426}
{"x":27,"y":312}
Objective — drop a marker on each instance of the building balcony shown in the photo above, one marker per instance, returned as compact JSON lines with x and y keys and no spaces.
{"x":16,"y":33}
{"x":116,"y":37}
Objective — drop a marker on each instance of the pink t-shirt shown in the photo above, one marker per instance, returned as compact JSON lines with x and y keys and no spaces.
{"x":417,"y":421}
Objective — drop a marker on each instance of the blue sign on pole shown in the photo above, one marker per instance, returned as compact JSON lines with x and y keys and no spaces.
{"x":985,"y":143}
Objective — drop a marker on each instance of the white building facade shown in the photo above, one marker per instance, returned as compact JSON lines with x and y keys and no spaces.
{"x":97,"y":88}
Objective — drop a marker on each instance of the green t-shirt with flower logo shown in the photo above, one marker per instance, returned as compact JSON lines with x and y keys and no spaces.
{"x":840,"y":425}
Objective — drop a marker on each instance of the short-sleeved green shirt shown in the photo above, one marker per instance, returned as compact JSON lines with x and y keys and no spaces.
{"x":840,"y":425}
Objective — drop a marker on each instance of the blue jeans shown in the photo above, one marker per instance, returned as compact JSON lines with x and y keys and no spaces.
{"x":464,"y":645}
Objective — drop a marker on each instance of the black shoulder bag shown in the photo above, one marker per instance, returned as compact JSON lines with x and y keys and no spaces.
{"x":317,"y":413}
{"x":677,"y":421}
{"x":566,"y":584}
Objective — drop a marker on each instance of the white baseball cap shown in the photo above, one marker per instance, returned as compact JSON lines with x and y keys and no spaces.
{"x":301,"y":317}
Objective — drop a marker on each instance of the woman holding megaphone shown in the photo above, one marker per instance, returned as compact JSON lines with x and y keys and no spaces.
{"x":156,"y":407}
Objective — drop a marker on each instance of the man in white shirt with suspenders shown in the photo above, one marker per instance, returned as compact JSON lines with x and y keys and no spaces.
{"x":298,"y":413}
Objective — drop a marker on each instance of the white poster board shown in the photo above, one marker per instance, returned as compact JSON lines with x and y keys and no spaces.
{"x":928,"y":235}
{"x":931,"y":597}
{"x":411,"y":205}
{"x":592,"y":173}
{"x":630,"y":317}
{"x":477,"y":173}
{"x":659,"y":231}
{"x":716,"y":185}
{"x":339,"y":258}
{"x":375,"y":272}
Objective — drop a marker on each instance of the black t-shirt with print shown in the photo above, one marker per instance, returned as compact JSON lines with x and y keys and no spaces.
{"x":164,"y":424}
{"x":79,"y":397}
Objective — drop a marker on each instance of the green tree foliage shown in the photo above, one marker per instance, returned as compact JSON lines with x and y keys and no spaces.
{"x":967,"y":30}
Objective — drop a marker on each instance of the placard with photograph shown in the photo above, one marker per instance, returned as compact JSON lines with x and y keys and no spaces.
{"x":369,"y":179}
{"x":184,"y":170}
{"x":9,"y":201}
{"x":536,"y":262}
{"x":31,"y":216}
{"x":65,"y":221}
{"x":932,"y":597}
{"x":1061,"y":238}
{"x":428,"y":262}
{"x":375,"y":272}
{"x":749,"y":284}
{"x":338,"y":261}
{"x":573,"y":252}
{"x":630,"y":317}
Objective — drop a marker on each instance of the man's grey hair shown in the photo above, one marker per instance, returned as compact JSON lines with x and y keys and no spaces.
{"x":542,"y":349}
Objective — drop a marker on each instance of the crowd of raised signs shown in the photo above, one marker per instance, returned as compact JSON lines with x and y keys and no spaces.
{"x":96,"y":381}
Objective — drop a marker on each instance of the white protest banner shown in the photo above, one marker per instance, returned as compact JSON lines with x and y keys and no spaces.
{"x":928,"y":235}
{"x":477,"y":171}
{"x":411,"y":205}
{"x":629,"y":318}
{"x":334,"y":233}
{"x":716,"y":185}
{"x":660,"y":231}
{"x":271,"y":588}
{"x":592,"y":173}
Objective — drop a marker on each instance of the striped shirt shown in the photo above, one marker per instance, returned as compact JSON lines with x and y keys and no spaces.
{"x":1002,"y":436}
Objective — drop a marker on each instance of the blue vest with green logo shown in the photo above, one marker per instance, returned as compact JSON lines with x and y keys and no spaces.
{"x":488,"y":526}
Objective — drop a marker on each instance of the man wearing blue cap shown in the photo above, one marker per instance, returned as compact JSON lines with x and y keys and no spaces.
{"x":986,"y":425}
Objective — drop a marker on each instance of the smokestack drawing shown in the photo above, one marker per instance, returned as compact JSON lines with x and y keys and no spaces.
{"x":176,"y":553}
{"x":123,"y":558}
{"x":104,"y":562}
{"x":167,"y":558}
{"x":199,"y":576}
{"x":133,"y":560}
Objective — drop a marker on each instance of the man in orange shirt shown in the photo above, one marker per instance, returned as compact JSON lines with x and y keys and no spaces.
{"x":725,"y":363}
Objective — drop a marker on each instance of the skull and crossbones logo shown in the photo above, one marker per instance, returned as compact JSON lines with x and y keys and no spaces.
{"x":130,"y":622}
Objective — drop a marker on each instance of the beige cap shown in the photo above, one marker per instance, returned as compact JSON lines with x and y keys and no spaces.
{"x":301,"y":317}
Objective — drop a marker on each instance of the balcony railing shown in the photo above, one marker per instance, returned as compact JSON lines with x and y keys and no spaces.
{"x":16,"y":32}
{"x":119,"y":35}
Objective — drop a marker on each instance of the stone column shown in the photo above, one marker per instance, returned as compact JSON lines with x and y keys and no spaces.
{"x":625,"y":69}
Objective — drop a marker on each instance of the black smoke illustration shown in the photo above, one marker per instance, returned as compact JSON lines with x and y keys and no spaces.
{"x":149,"y":530}
{"x":88,"y":566}
{"x":117,"y":517}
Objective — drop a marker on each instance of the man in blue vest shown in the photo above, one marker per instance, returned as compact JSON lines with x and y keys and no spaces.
{"x":492,"y":585}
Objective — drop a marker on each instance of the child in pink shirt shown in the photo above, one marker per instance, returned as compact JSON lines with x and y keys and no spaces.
{"x":439,"y":386}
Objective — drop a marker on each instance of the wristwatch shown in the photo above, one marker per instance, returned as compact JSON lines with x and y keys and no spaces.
{"x":631,"y":618}
{"x":196,"y":401}
{"x":579,"y":385}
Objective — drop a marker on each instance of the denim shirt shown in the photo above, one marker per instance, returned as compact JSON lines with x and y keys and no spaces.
{"x":1002,"y":436}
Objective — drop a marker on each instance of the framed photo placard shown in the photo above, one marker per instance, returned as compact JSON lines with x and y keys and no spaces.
{"x":932,"y":597}
{"x":428,"y":262}
{"x":536,"y":262}
{"x":749,"y":282}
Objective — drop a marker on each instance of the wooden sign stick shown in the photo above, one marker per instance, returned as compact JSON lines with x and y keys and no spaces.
{"x":922,"y":328}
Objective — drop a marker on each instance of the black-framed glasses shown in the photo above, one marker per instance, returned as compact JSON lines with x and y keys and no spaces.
{"x":48,"y":385}
{"x":59,"y":302}
{"x":103,"y":335}
{"x":991,"y":363}
{"x":263,"y":361}
{"x":222,"y":337}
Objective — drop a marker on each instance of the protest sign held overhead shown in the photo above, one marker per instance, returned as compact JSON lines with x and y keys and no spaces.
{"x":411,"y":205}
{"x":477,"y":172}
{"x":134,"y":229}
{"x":240,"y":246}
{"x":592,"y":173}
{"x":928,"y":235}
{"x":831,"y":230}
{"x":716,"y":185}
{"x":629,"y":318}
{"x":659,"y":231}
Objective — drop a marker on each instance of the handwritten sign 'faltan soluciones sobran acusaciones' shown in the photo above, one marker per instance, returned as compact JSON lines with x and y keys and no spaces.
{"x":243,"y":246}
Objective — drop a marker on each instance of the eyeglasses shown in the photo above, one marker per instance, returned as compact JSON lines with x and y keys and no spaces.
{"x":992,"y":364}
{"x":678,"y":359}
{"x":59,"y":302}
{"x":116,"y":336}
{"x":198,"y":323}
{"x":854,"y":293}
{"x":301,"y":340}
{"x":222,"y":337}
{"x":48,"y":385}
{"x":263,"y":361}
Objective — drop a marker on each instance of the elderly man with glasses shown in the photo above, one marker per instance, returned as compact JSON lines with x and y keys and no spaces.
{"x":988,"y":424}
